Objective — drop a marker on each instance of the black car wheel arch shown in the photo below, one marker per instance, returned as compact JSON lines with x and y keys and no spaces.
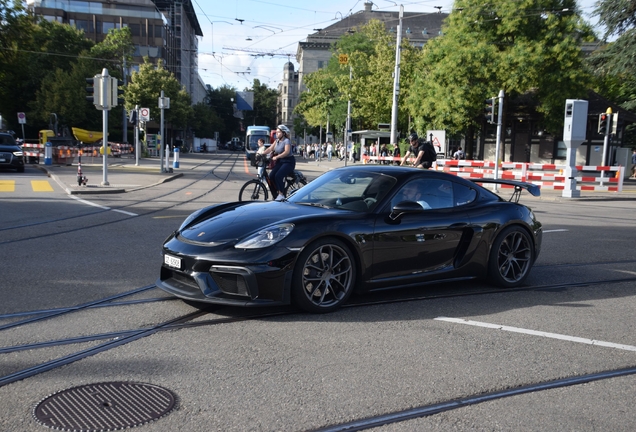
{"x":324,"y":276}
{"x":511,"y":257}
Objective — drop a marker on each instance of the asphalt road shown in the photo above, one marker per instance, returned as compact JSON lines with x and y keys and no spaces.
{"x":443,"y":357}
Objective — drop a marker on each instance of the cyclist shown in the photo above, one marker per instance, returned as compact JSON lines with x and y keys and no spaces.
{"x":284,"y":159}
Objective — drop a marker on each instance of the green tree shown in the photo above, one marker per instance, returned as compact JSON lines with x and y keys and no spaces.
{"x":264,"y":112}
{"x":63,"y":91}
{"x":615,"y":63}
{"x":145,"y":89}
{"x":205,"y":121}
{"x":220,"y":101}
{"x":520,"y":47}
{"x":30,"y":53}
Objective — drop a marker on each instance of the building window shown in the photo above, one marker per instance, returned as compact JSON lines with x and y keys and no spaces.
{"x":284,"y":102}
{"x":290,"y":103}
{"x":320,"y":64}
{"x":107,"y":26}
{"x":135,"y":30}
{"x":284,"y":116}
{"x":284,"y":89}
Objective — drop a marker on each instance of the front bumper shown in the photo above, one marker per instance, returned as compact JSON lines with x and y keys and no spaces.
{"x":233,"y":284}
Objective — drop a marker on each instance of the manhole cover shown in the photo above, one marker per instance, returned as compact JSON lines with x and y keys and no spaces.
{"x":104,"y":406}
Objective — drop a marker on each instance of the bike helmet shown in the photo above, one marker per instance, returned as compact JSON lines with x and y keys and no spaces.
{"x":284,"y":129}
{"x":413,"y":137}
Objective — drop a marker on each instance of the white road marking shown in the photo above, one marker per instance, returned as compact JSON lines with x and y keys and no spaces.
{"x":90,"y":203}
{"x":556,"y":230}
{"x":103,"y":207}
{"x":125,"y":212}
{"x":539,"y":333}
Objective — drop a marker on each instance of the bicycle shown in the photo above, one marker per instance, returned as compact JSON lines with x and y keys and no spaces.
{"x":258,"y":189}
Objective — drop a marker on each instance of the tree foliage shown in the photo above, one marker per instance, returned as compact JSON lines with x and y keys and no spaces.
{"x":264,"y":112}
{"x":145,"y":89}
{"x":63,"y":91}
{"x":220,"y":101}
{"x":615,"y":63}
{"x":520,"y":47}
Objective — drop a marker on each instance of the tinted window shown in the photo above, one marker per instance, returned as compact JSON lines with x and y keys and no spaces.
{"x":463,"y":194}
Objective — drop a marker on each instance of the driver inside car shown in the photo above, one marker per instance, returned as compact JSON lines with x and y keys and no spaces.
{"x":411,"y":192}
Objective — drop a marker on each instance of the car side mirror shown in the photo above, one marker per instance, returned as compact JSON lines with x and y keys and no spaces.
{"x":404,"y":207}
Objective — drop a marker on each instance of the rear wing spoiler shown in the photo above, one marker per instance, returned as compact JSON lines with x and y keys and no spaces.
{"x":533,"y":189}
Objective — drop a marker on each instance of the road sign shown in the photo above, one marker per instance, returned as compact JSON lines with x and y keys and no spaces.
{"x":21,"y":118}
{"x":144,"y":114}
{"x":343,"y":59}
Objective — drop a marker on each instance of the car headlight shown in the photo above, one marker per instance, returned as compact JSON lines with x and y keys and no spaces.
{"x":266,"y":237}
{"x":17,"y":153}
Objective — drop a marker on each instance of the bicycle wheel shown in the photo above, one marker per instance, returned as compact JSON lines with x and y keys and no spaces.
{"x":294,"y":185}
{"x":253,"y":190}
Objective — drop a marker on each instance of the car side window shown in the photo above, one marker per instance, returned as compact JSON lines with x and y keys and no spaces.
{"x":463,"y":194}
{"x":438,"y":193}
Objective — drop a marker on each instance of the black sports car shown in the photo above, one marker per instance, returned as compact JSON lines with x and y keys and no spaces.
{"x":357,"y":228}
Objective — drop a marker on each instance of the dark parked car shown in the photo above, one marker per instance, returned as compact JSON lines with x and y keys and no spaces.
{"x":11,"y":155}
{"x":358,"y":228}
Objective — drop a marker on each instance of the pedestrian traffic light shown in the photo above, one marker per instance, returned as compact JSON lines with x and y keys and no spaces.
{"x":489,"y":111}
{"x":603,"y":120}
{"x":95,"y":90}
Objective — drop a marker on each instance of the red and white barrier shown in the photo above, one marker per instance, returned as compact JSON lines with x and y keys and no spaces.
{"x":547,"y":176}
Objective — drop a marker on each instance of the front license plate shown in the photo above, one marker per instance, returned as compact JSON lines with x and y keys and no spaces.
{"x":3,"y":160}
{"x":172,"y":261}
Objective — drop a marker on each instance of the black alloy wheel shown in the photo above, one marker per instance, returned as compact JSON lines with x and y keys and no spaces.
{"x":510,"y":257}
{"x":253,"y":190}
{"x":324,"y":276}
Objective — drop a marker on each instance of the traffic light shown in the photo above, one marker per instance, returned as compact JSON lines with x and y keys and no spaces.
{"x":603,"y":120}
{"x":95,"y":90}
{"x":115,"y":92}
{"x":489,"y":111}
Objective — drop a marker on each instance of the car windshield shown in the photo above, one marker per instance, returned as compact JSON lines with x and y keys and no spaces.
{"x":360,"y":191}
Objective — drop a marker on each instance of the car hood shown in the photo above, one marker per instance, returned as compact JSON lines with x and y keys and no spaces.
{"x":236,"y":222}
{"x":9,"y":148}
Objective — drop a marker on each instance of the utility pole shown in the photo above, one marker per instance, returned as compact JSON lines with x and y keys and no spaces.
{"x":499,"y":127}
{"x":396,"y":80}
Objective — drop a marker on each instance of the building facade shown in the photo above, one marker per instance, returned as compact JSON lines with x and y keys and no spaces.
{"x":161,"y":29}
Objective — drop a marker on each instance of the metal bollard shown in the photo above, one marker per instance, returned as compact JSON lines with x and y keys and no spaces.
{"x":48,"y":154}
{"x":175,"y":163}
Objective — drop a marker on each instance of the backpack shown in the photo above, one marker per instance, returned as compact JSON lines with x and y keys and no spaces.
{"x":430,"y":154}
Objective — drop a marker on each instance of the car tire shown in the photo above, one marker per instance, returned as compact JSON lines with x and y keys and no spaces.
{"x":511,"y":257}
{"x":324,"y":276}
{"x":253,"y":190}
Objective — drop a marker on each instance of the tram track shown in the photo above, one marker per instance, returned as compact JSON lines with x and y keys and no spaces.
{"x":118,"y":338}
{"x":222,"y":179}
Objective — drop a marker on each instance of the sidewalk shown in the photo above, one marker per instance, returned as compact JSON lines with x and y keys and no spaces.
{"x":125,"y":176}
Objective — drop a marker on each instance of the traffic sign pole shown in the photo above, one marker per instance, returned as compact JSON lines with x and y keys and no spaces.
{"x":22,"y":121}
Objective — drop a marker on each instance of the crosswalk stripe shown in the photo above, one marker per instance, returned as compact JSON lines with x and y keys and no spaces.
{"x":7,"y":185}
{"x":41,"y":186}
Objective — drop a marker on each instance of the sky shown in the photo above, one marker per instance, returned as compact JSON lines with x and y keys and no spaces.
{"x":239,"y":35}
